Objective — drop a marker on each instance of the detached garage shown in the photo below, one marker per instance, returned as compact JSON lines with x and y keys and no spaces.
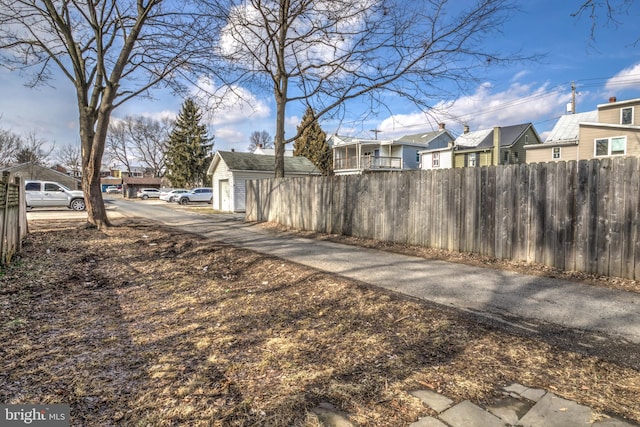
{"x":230,"y":170}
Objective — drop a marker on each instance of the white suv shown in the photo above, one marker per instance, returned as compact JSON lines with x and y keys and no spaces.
{"x":46,"y":194}
{"x":202,"y":194}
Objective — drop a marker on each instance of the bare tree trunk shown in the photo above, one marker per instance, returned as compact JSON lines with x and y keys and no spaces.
{"x":279,"y":139}
{"x":93,"y":139}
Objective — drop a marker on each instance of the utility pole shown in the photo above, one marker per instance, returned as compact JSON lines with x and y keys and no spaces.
{"x":375,"y":132}
{"x":573,"y":97}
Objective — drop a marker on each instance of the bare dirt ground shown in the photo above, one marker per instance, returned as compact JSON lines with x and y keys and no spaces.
{"x":143,"y":325}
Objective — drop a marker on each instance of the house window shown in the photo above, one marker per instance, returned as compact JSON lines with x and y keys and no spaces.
{"x":435,"y":160}
{"x":555,"y":152}
{"x":417,"y":156}
{"x":626,"y":116}
{"x":471,"y":160}
{"x":611,"y":146}
{"x":505,"y":157}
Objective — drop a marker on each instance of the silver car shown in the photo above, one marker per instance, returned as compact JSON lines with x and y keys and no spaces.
{"x":171,"y":196}
{"x":148,"y":193}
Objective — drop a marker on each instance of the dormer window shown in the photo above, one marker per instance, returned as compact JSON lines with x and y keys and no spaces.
{"x":626,"y":116}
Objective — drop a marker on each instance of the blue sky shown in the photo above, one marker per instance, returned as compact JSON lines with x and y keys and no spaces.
{"x":536,"y":92}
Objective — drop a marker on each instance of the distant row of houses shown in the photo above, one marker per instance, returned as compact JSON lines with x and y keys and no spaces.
{"x":611,"y":130}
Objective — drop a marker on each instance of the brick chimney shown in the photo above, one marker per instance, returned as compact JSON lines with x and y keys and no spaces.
{"x":466,"y":129}
{"x":613,"y":99}
{"x":441,"y":126}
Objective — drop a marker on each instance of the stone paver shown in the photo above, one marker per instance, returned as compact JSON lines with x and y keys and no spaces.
{"x":554,"y":411}
{"x":509,"y":409}
{"x":428,"y":422}
{"x":331,"y":418}
{"x":433,"y":400}
{"x":466,"y":414}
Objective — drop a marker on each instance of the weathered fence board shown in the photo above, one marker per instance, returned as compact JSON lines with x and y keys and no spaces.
{"x":582,"y":216}
{"x":13,"y":222}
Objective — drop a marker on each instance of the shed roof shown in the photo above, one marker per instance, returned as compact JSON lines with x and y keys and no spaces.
{"x":264,"y":163}
{"x":142,"y":181}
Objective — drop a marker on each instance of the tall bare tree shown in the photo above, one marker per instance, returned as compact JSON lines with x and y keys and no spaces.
{"x":119,"y":147}
{"x":149,"y":137}
{"x":260,"y":139}
{"x":604,"y":13}
{"x":33,"y":149}
{"x":69,"y":157}
{"x":10,"y":143}
{"x":110,"y":50}
{"x":139,"y":140}
{"x":323,"y":53}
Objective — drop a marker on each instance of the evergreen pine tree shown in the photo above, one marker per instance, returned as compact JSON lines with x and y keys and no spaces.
{"x":188,"y":148}
{"x":312,"y":143}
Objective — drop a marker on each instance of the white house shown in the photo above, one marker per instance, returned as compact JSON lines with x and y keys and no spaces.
{"x":229,"y":171}
{"x":437,"y":158}
{"x":355,"y":155}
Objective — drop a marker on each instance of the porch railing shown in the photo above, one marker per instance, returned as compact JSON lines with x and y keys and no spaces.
{"x":368,"y":162}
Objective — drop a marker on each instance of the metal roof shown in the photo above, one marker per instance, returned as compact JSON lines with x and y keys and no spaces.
{"x":474,"y":139}
{"x":484,"y":138}
{"x":567,"y":126}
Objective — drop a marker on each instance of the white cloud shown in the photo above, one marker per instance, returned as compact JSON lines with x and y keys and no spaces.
{"x":228,"y":104}
{"x":519,"y":103}
{"x":625,"y":79}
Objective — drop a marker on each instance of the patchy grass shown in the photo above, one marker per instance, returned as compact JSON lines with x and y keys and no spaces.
{"x":144,"y":325}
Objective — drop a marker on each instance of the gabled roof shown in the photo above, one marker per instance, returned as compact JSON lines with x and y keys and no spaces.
{"x":261,"y":163}
{"x":568,"y":126}
{"x":484,"y":138}
{"x":271,"y":152}
{"x":423,"y":139}
{"x":132,"y":180}
{"x":430,"y":140}
{"x":474,"y":139}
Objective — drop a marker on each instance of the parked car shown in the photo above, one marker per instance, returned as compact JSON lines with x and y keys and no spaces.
{"x":112,"y":189}
{"x":148,"y":193}
{"x":45,"y":194}
{"x":171,"y":196}
{"x":201,"y":194}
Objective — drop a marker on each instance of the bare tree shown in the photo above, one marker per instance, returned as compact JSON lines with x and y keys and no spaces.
{"x":139,"y":140}
{"x":603,"y":12}
{"x":119,"y":146}
{"x":260,"y":139}
{"x":10,"y":143}
{"x":33,"y":149}
{"x":150,"y":138}
{"x":323,"y":53}
{"x":69,"y":157}
{"x":111,"y":50}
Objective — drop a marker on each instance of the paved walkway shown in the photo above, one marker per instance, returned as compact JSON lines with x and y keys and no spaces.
{"x":518,"y":406}
{"x":501,"y":295}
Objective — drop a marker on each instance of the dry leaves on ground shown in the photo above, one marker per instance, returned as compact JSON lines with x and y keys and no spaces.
{"x":141,"y":324}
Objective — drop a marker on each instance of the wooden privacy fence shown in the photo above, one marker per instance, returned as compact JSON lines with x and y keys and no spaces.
{"x":576,"y":216}
{"x":13,"y":220}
